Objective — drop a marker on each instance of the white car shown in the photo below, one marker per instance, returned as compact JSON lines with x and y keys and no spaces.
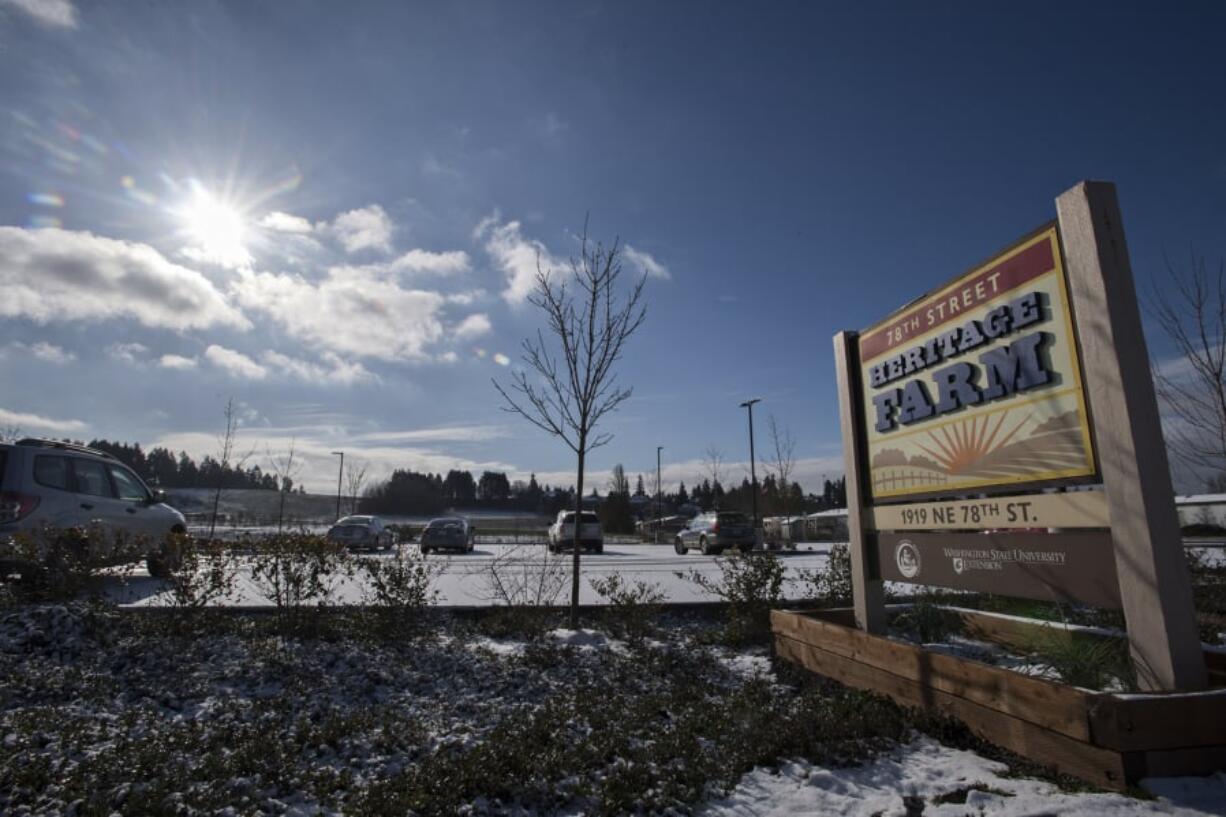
{"x":562,"y":532}
{"x":46,"y":484}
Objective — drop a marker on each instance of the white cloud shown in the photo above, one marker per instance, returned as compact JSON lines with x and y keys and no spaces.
{"x":365,"y":228}
{"x":474,"y":326}
{"x":285,"y":223}
{"x":236,"y":363}
{"x":26,"y":421}
{"x":645,"y":262}
{"x":62,"y":275}
{"x":59,"y":13}
{"x":501,"y":359}
{"x":352,"y":311}
{"x":177,"y":362}
{"x":518,"y":257}
{"x":127,"y":352}
{"x":338,"y":370}
{"x":448,"y":357}
{"x":46,"y":352}
{"x":442,"y":434}
{"x":438,"y":263}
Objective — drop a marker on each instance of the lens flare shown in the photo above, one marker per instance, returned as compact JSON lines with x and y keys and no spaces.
{"x":216,"y":230}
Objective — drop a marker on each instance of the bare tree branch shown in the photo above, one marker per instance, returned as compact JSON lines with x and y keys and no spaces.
{"x":568,"y":385}
{"x":1190,"y":309}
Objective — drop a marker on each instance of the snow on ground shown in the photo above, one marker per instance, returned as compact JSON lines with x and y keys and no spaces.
{"x":931,"y":771}
{"x":99,"y":715}
{"x":462,"y":580}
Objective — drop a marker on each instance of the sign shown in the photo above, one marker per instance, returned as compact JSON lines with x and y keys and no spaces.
{"x":978,"y":385}
{"x":1067,"y":567}
{"x":1078,"y":509}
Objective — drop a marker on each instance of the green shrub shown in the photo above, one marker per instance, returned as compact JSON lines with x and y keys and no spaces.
{"x":1084,"y":661}
{"x":925,"y":620}
{"x":632,"y":609}
{"x":62,"y":564}
{"x":202,"y":574}
{"x":398,"y":590}
{"x":830,"y":586}
{"x":298,"y":573}
{"x":751,"y":584}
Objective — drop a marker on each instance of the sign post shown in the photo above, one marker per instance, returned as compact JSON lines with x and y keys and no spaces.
{"x":1154,"y":587}
{"x":963,"y":411}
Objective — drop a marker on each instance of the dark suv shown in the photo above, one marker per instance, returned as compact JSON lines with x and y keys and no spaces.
{"x":716,"y":531}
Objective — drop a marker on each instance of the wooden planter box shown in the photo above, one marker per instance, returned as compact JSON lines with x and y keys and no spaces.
{"x":1108,"y":739}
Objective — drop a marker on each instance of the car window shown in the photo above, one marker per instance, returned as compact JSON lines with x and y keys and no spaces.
{"x":128,"y":485}
{"x":90,"y":478}
{"x":588,"y":518}
{"x":51,"y":472}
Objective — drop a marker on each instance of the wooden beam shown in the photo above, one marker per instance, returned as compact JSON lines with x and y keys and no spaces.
{"x":1102,"y":767}
{"x":868,"y":593}
{"x":1153,"y":576}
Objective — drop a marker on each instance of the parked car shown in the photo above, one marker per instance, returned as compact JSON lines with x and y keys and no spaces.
{"x":48,"y":486}
{"x":716,"y":531}
{"x":562,"y":532}
{"x":362,"y":533}
{"x":448,"y":533}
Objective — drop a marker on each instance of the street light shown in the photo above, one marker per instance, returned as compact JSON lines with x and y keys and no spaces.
{"x":753,"y":477}
{"x":659,"y":448}
{"x":340,"y":473}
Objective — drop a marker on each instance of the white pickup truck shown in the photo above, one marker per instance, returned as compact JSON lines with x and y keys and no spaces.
{"x":562,"y":532}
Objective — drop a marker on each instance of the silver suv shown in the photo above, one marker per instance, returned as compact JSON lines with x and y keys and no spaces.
{"x":46,"y":484}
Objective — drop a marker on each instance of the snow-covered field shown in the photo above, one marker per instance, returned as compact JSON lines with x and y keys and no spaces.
{"x":462,"y":581}
{"x":101,"y":715}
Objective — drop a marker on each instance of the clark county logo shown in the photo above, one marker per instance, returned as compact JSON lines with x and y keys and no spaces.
{"x":907,"y":557}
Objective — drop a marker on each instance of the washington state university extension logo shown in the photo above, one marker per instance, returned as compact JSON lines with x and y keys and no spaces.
{"x":907,"y":557}
{"x":958,"y":566}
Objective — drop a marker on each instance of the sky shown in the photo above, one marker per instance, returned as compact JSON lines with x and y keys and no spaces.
{"x":332,"y":213}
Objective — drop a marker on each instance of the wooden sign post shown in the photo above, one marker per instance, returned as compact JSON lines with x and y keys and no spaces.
{"x":1154,"y":587}
{"x":1026,"y":374}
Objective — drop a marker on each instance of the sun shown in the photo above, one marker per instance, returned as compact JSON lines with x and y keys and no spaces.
{"x":215,"y":230}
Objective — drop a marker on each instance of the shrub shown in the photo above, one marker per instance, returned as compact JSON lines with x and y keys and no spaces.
{"x":1084,"y":661}
{"x":525,"y":582}
{"x":202,"y":574}
{"x":632,"y":609}
{"x":397,"y":590}
{"x":925,"y":620}
{"x":830,"y":586}
{"x":751,"y":584}
{"x":296,"y":572}
{"x":60,"y":564}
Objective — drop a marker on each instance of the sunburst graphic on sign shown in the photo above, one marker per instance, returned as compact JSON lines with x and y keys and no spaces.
{"x":960,"y":447}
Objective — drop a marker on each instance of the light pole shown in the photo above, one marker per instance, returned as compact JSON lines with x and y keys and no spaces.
{"x":753,"y":476}
{"x":339,"y":474}
{"x":659,"y":448}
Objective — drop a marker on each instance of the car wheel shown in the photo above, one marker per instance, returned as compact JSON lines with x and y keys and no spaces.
{"x":702,"y":545}
{"x":425,"y":551}
{"x":599,"y":549}
{"x":680,"y":547}
{"x":745,"y":548}
{"x":159,"y":566}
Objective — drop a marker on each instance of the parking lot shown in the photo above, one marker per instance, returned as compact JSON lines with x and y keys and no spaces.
{"x":464,"y":579}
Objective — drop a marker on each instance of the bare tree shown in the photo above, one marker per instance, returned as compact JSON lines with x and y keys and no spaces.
{"x":782,"y":464}
{"x":10,"y":434}
{"x":572,"y":385}
{"x":355,"y":478}
{"x":286,"y":470}
{"x":713,"y":465}
{"x":225,"y":453}
{"x":1190,"y":309}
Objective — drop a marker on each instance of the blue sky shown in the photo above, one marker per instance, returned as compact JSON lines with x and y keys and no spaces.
{"x":328,"y":211}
